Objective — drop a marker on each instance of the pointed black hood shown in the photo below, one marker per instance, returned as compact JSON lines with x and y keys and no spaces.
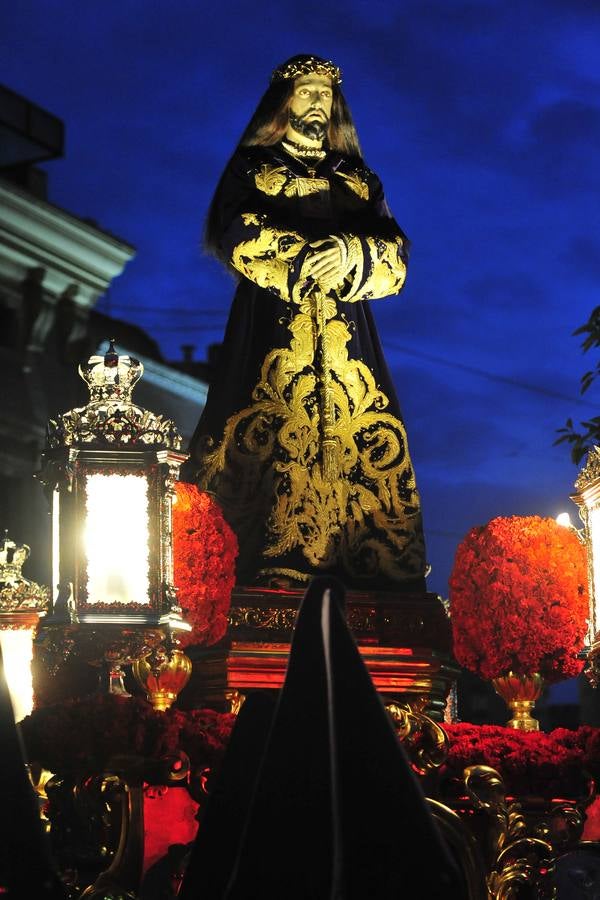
{"x":336,"y":811}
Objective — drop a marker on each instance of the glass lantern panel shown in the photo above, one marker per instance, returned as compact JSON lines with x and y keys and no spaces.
{"x":594,"y":538}
{"x":17,"y":653}
{"x":55,"y":543}
{"x":116,"y":539}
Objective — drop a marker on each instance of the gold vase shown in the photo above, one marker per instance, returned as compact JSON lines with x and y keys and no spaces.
{"x":162,"y":675}
{"x":520,"y":693}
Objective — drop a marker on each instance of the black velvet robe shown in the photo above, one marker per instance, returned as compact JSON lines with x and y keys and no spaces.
{"x":301,"y":370}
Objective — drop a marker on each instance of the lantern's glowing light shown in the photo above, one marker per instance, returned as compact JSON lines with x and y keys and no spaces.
{"x":116,"y":538}
{"x":564,"y":519}
{"x":55,"y":543}
{"x":17,"y":653}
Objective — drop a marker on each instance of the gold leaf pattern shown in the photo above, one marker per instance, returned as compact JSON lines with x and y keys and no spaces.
{"x":356,"y":184}
{"x":387,"y":271}
{"x":265,"y":259}
{"x":271,"y":179}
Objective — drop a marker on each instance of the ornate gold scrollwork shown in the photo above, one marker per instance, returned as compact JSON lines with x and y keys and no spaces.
{"x":425,"y":742}
{"x":236,"y":701}
{"x":518,"y":865}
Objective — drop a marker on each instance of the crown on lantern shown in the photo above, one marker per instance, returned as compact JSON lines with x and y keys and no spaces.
{"x":111,"y":419}
{"x":111,"y":377}
{"x":16,"y":592}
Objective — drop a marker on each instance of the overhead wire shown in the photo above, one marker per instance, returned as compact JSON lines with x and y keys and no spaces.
{"x":389,"y":344}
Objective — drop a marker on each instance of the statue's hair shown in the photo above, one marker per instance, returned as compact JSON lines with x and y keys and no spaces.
{"x":268,"y":125}
{"x":270,"y":120}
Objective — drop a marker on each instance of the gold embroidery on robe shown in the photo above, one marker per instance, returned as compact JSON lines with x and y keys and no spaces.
{"x":367,"y":520}
{"x":387,"y":271}
{"x":265,"y":259}
{"x":356,"y":184}
{"x":271,"y":179}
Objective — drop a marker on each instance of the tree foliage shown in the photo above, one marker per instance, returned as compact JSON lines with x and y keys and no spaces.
{"x":588,"y":435}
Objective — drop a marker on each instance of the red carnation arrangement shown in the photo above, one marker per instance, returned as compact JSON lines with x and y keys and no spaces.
{"x":556,"y":764}
{"x":107,"y":725}
{"x":205,"y":549}
{"x":519,"y":599}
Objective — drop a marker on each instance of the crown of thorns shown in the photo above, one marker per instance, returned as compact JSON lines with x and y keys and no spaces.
{"x":308,"y":65}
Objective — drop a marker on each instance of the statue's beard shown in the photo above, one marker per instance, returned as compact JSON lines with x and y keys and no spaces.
{"x":315,"y":129}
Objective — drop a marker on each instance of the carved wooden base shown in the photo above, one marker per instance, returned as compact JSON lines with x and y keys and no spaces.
{"x":405,"y":641}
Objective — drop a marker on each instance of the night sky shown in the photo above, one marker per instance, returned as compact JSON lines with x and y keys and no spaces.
{"x":483,"y":121}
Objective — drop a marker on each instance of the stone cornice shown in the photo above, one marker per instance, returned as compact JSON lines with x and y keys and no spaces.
{"x":75,"y":255}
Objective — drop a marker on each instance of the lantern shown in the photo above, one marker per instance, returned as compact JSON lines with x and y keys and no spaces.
{"x":22,"y":602}
{"x":109,"y":470}
{"x":587,"y":499}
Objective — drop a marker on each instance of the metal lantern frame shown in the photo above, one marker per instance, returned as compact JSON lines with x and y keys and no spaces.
{"x":587,"y":499}
{"x":22,"y":604}
{"x":71,"y":469}
{"x":110,"y":436}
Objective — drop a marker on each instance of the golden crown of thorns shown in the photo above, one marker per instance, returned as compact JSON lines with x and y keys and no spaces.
{"x":308,"y":65}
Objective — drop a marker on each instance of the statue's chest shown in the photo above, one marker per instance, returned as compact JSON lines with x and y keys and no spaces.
{"x":310,"y":193}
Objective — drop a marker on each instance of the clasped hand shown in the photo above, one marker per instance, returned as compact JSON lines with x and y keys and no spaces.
{"x":325,"y":263}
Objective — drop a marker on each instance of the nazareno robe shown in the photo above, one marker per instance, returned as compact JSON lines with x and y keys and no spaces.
{"x":302,"y":439}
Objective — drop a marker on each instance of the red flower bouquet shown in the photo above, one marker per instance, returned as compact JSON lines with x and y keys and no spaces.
{"x":531,"y":763}
{"x":205,"y":549}
{"x":519,"y":600}
{"x":82,"y":735}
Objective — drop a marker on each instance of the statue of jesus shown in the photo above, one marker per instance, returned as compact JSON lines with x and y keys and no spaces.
{"x":302,"y":439}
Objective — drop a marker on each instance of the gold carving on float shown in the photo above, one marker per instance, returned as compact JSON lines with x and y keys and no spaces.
{"x":367,"y":518}
{"x":236,"y":700}
{"x":590,"y":471}
{"x":355,"y":183}
{"x":424,"y":740}
{"x":283,"y":618}
{"x":162,"y":674}
{"x":517,"y":863}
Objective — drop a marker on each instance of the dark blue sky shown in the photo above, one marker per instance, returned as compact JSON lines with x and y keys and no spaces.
{"x":483,"y":121}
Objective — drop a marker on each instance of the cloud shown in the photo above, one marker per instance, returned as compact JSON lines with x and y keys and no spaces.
{"x":582,"y":256}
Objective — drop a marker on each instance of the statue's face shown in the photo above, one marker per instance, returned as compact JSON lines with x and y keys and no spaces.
{"x":310,"y":108}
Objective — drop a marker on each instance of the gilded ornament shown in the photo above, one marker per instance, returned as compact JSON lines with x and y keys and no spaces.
{"x":424,"y":740}
{"x":18,"y":595}
{"x":111,"y":419}
{"x":162,"y":674}
{"x":236,"y":700}
{"x":283,"y":618}
{"x":519,"y":863}
{"x":520,"y":693}
{"x":591,"y":470}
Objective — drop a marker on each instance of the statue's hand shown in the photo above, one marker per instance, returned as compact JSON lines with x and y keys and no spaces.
{"x":325,"y":263}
